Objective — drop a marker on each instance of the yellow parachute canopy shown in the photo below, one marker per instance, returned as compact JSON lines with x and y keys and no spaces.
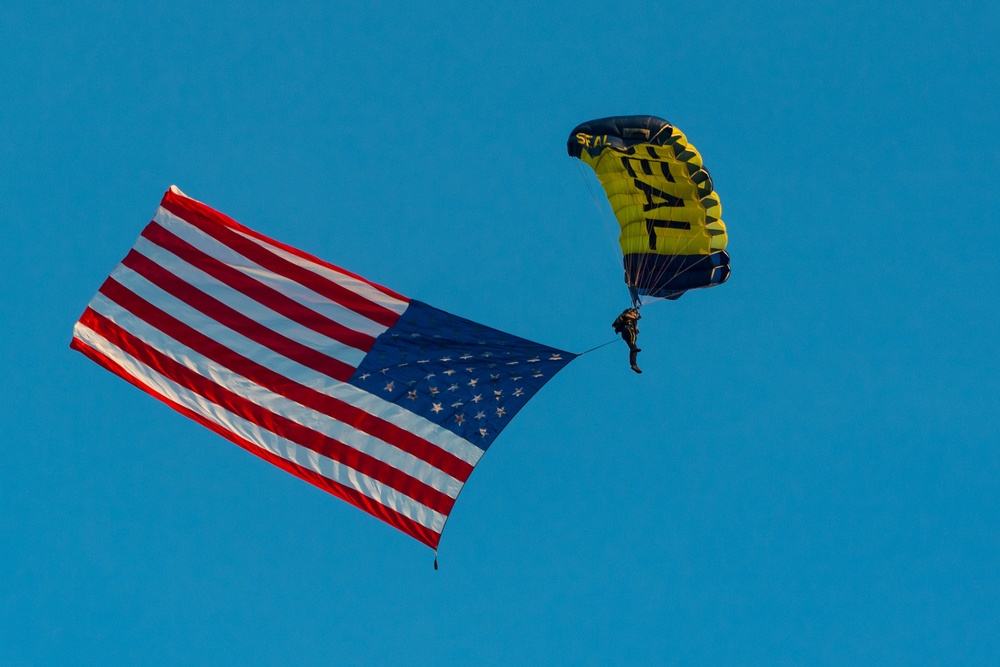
{"x":672,"y":235}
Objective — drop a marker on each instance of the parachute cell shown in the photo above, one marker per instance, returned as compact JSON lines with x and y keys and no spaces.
{"x":672,"y":236}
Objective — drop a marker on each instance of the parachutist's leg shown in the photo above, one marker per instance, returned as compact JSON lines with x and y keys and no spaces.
{"x":631,"y":359}
{"x":633,"y":350}
{"x":629,"y":338}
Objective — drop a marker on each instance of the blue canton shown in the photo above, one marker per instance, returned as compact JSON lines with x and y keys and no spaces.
{"x":468,"y":378}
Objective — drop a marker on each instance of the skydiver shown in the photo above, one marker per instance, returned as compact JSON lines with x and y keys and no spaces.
{"x":627,"y":324}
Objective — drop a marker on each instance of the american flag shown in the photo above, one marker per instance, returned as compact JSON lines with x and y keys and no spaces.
{"x":383,"y":401}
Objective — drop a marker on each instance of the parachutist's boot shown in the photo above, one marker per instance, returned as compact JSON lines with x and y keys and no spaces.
{"x":636,"y":368}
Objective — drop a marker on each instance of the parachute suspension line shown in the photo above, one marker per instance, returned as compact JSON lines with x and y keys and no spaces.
{"x":634,"y":295}
{"x":612,"y":229}
{"x":641,"y":262}
{"x":647,"y":261}
{"x":677,"y":271}
{"x":609,"y":222}
{"x":669,"y":271}
{"x":663,"y":267}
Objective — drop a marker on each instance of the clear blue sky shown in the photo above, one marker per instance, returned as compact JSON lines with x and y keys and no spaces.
{"x":806,"y":473}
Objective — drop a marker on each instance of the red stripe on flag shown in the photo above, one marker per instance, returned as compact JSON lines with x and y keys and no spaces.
{"x":266,"y":419}
{"x":287,"y":387}
{"x":207,"y":220}
{"x":235,"y":320}
{"x":352,"y":496}
{"x":256,"y":290}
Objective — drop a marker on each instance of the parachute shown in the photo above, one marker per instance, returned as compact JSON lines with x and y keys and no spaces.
{"x":672,"y":236}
